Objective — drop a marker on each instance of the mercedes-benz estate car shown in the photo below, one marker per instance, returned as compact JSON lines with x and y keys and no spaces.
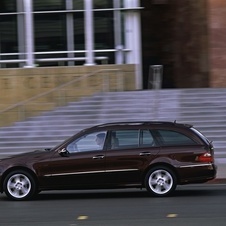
{"x":153,"y":155}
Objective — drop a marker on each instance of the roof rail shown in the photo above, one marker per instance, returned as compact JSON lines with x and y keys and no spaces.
{"x":141,"y":122}
{"x":133,"y":122}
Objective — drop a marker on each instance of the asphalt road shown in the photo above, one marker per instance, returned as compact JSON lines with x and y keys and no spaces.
{"x":191,"y":205}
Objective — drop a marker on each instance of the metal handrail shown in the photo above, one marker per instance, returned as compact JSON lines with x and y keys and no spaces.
{"x":105,"y":87}
{"x":9,"y":61}
{"x":52,"y":59}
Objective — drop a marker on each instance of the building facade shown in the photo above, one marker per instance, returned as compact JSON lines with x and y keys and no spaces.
{"x":186,"y":37}
{"x":46,"y":33}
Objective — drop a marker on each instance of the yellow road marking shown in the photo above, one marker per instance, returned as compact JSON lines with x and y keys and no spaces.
{"x":171,"y":215}
{"x":82,"y":218}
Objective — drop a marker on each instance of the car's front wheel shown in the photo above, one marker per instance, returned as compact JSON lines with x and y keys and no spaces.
{"x":19,"y":185}
{"x":160,"y":181}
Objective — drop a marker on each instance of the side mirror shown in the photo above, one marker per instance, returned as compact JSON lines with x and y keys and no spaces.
{"x":64,"y":153}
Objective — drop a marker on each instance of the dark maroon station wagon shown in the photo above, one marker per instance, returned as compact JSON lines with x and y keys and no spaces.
{"x":154,"y":155}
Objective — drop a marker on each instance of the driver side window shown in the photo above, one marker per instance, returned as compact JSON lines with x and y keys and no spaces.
{"x":88,"y":142}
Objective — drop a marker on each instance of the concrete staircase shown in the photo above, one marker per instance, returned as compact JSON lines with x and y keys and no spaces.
{"x":203,"y":108}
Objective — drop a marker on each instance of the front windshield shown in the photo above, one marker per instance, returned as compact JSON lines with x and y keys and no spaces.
{"x":59,"y":144}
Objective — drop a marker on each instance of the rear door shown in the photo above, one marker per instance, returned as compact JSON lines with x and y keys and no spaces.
{"x":134,"y":151}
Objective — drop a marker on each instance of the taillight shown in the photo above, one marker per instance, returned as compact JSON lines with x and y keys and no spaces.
{"x":206,"y":157}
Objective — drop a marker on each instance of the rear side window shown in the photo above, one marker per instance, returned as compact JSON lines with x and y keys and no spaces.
{"x":173,"y":138}
{"x":146,"y":139}
{"x":128,"y":138}
{"x":131,"y":139}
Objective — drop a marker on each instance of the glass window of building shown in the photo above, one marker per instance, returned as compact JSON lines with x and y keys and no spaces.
{"x":104,"y":30}
{"x":79,"y":31}
{"x":78,"y":4}
{"x":61,"y":33}
{"x":8,"y":38}
{"x":8,"y":34}
{"x":47,"y":5}
{"x":7,"y":6}
{"x":50,"y":35}
{"x":102,"y":4}
{"x":79,"y":37}
{"x":104,"y":33}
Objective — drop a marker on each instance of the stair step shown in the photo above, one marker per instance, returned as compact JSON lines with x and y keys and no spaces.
{"x":204,"y":108}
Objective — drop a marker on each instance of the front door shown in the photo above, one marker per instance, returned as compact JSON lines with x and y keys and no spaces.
{"x":82,"y":166}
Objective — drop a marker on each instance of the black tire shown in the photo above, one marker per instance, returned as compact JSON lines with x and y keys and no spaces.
{"x":160,"y":181}
{"x":19,"y":185}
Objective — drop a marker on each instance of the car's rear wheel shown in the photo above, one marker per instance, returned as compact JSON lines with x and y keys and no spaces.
{"x":160,"y":181}
{"x":19,"y":185}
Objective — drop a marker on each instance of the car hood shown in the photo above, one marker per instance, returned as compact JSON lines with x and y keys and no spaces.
{"x":24,"y":157}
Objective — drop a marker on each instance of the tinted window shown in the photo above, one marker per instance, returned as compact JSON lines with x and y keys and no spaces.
{"x":127,"y":138}
{"x":131,"y":139}
{"x":146,"y":139}
{"x":169,"y":137}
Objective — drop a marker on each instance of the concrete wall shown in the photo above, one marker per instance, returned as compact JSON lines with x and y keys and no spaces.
{"x":56,"y":86}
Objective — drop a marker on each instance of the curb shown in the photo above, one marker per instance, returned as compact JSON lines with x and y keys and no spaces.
{"x":217,"y":181}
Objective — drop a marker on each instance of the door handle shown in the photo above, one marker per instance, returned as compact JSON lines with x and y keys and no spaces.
{"x":98,"y":157}
{"x":145,"y":153}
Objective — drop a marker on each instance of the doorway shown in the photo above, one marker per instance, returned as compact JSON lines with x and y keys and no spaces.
{"x":157,"y":40}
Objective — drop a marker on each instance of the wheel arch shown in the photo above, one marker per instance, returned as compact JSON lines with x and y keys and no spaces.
{"x":4,"y":175}
{"x":160,"y":164}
